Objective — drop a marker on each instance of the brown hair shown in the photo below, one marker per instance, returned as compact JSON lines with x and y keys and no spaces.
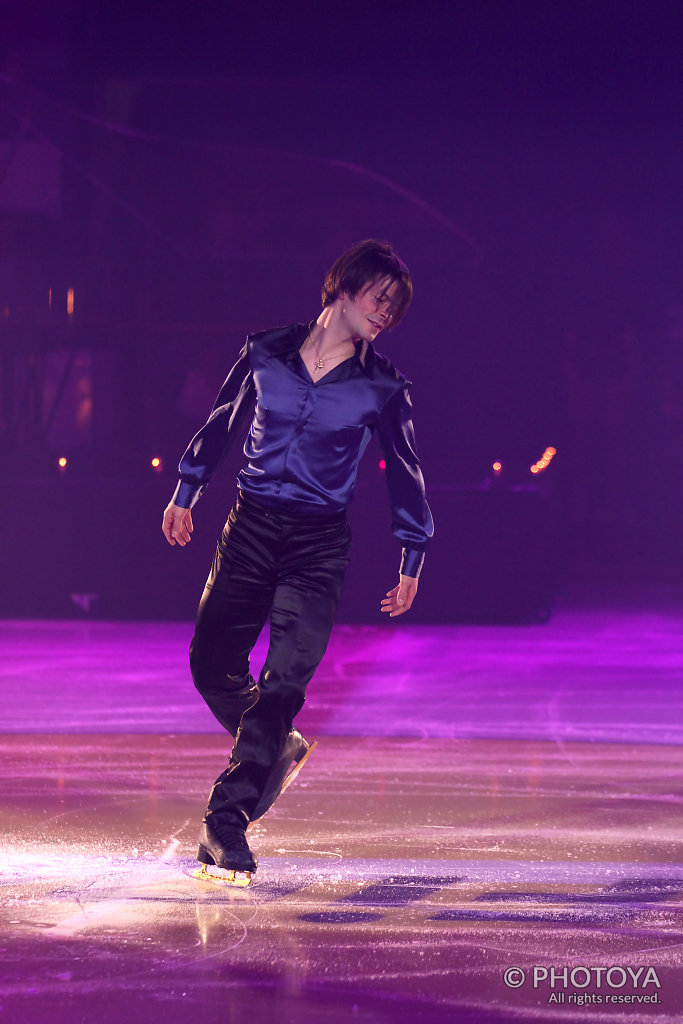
{"x":364,"y":263}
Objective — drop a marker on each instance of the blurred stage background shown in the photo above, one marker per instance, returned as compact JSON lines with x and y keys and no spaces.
{"x":174,"y":176}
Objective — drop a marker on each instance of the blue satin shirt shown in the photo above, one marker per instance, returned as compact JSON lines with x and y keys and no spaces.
{"x":306,"y":439}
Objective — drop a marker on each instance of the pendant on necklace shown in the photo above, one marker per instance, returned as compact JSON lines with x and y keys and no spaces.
{"x":319,"y":365}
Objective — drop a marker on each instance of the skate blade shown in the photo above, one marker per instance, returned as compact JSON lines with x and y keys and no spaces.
{"x":299,"y":765}
{"x":226,"y":878}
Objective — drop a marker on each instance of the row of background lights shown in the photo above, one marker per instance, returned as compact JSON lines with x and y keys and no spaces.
{"x":549,"y":454}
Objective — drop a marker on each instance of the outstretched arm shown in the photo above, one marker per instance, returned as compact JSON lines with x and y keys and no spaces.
{"x":401,"y":597}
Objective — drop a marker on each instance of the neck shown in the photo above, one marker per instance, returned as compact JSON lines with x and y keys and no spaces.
{"x":330,"y":332}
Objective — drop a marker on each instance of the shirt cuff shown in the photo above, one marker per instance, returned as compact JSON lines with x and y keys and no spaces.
{"x":185,"y":494}
{"x":411,"y":562}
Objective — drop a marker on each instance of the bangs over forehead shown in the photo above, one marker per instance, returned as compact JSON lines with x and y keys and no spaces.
{"x":370,"y":263}
{"x":384,"y":288}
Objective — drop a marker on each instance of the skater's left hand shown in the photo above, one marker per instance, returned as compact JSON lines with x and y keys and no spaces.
{"x":401,"y":597}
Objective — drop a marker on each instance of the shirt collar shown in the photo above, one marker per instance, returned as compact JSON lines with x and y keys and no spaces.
{"x":364,"y":356}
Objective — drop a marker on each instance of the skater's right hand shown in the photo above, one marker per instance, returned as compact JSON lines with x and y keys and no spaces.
{"x":177,"y":525}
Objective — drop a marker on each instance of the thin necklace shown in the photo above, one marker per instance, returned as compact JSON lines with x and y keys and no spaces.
{"x":320,"y":363}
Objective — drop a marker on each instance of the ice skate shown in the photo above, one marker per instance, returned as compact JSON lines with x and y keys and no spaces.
{"x":295,"y":749}
{"x":226,"y":848}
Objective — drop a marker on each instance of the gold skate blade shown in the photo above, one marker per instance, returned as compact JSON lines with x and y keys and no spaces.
{"x":223,"y":876}
{"x":299,"y":765}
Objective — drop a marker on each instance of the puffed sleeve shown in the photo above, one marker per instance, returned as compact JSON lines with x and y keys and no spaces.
{"x":412,"y":522}
{"x":230,"y":418}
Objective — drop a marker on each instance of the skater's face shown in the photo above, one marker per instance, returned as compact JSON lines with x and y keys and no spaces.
{"x":370,"y":310}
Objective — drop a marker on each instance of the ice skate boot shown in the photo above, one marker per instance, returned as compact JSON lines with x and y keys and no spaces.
{"x":295,"y":749}
{"x":226,"y":847}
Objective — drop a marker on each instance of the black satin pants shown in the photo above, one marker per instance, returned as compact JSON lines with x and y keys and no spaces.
{"x":288,"y":568}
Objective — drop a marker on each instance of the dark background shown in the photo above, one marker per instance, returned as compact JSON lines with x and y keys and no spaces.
{"x":191,"y":170}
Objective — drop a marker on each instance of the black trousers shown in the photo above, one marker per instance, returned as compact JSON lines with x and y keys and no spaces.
{"x":289,"y":567}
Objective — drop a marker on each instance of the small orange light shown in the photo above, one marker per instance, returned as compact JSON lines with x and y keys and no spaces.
{"x":551,"y":451}
{"x":61,"y":462}
{"x":382,"y":464}
{"x":156,"y":462}
{"x":534,"y":468}
{"x":70,"y":302}
{"x":497,"y":466}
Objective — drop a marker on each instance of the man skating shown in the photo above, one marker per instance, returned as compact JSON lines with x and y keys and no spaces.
{"x":308,"y":398}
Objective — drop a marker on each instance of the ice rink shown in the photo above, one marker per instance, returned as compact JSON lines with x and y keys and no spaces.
{"x":482,"y":799}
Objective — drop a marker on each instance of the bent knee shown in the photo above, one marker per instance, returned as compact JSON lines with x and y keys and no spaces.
{"x":210,"y":677}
